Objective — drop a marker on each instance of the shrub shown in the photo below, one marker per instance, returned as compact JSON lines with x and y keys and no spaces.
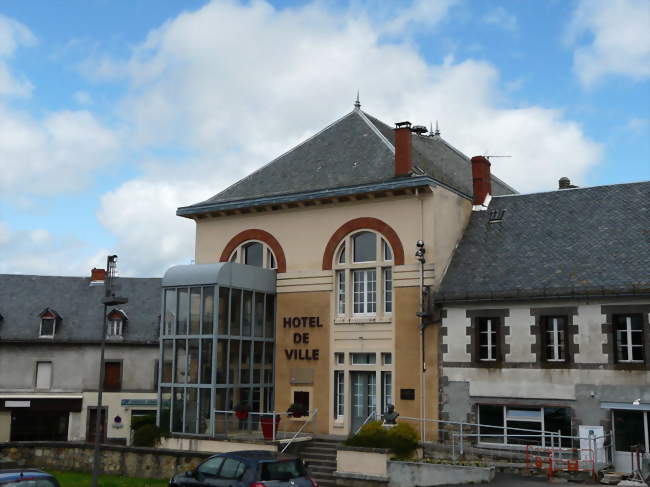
{"x":145,"y":431}
{"x":402,"y":439}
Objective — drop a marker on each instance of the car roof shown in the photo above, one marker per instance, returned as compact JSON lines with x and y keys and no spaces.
{"x":256,"y":455}
{"x":15,"y":473}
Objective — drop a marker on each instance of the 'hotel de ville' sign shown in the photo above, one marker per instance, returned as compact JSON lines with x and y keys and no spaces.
{"x":304,"y":324}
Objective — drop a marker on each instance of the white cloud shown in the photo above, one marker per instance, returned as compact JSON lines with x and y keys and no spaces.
{"x":611,"y":38}
{"x":419,"y":14}
{"x":13,"y":34}
{"x":500,"y":17}
{"x":637,"y":125}
{"x":52,"y":155}
{"x":83,"y":98}
{"x":236,"y":85}
{"x":40,"y":252}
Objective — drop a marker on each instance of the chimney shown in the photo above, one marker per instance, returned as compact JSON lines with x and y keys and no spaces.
{"x":97,"y":276}
{"x":565,"y":183}
{"x":403,"y":159}
{"x":481,"y":179}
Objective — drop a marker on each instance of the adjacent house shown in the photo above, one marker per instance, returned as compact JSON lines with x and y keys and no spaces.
{"x":545,"y":318}
{"x":50,"y":333}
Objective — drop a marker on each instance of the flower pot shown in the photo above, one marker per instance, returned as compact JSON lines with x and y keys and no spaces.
{"x":241,"y":415}
{"x":266,"y":422}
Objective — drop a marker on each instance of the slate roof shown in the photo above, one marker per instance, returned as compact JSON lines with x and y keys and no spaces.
{"x":573,"y":241}
{"x":355,"y":150}
{"x":23,"y":298}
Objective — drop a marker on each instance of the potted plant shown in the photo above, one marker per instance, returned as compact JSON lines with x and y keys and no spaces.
{"x":241,"y":411}
{"x":269,"y":430}
{"x":297,"y":410}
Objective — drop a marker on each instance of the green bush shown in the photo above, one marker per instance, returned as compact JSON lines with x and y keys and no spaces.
{"x":147,"y":435}
{"x":145,"y":431}
{"x":402,"y":439}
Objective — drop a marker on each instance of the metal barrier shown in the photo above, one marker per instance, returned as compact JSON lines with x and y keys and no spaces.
{"x":279,"y":426}
{"x":560,"y":459}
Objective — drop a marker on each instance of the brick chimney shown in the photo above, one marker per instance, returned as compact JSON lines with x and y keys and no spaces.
{"x":97,"y":276}
{"x":403,"y":158}
{"x":481,"y":179}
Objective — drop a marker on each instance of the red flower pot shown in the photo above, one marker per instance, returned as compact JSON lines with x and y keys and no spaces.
{"x":266,"y":422}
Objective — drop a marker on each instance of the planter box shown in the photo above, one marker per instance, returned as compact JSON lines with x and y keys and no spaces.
{"x":412,"y":474}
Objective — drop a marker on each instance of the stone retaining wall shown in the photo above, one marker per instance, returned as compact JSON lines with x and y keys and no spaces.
{"x":116,"y":460}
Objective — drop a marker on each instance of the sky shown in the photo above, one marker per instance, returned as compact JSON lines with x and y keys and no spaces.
{"x":115,"y":113}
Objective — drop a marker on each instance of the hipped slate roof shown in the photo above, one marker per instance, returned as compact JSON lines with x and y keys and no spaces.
{"x":357,"y":149}
{"x":560,"y":243}
{"x":23,"y":298}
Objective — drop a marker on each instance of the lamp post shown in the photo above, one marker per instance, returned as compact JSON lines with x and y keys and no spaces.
{"x":109,"y":299}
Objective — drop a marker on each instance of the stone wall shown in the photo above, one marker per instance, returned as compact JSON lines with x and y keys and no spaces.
{"x":116,"y":460}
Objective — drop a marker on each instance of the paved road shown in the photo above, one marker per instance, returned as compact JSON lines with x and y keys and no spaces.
{"x":511,"y":480}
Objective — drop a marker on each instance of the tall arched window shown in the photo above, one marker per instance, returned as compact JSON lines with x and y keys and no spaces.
{"x":254,"y":253}
{"x":364,"y":275}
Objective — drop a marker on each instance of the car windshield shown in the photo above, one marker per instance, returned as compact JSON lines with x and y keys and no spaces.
{"x":282,"y":470}
{"x":29,"y":483}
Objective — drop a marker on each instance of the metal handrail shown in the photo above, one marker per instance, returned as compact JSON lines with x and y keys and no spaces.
{"x":371,"y":415}
{"x":312,"y":416}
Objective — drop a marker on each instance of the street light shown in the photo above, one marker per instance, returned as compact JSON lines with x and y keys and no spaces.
{"x":109,"y":299}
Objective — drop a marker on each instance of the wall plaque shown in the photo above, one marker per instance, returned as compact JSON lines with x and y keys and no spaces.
{"x":407,"y":394}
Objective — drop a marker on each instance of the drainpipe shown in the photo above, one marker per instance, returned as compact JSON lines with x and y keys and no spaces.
{"x":419,"y":254}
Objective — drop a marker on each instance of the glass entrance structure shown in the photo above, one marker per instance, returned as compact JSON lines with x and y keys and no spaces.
{"x":216,"y":344}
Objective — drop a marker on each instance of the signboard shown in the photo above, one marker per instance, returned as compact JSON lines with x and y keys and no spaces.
{"x":407,"y":394}
{"x":302,"y":337}
{"x":17,"y":404}
{"x":139,"y":402}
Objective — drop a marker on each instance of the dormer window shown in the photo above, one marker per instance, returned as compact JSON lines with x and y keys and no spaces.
{"x":115,"y":326}
{"x":49,"y":319}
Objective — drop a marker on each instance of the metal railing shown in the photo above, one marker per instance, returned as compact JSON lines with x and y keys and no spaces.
{"x":272,"y":426}
{"x":370,"y":417}
{"x":310,"y":420}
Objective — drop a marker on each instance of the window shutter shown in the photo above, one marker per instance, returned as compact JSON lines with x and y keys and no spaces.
{"x":112,"y":376}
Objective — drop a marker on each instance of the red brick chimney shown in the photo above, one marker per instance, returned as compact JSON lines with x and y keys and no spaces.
{"x":403,"y":158}
{"x":481,"y":179}
{"x":97,"y":275}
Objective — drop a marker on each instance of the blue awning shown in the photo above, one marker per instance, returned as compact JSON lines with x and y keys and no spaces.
{"x":628,"y":406}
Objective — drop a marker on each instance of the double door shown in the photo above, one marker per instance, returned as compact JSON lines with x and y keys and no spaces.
{"x":364,"y":397}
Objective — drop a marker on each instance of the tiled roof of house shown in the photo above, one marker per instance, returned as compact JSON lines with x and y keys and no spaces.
{"x":566,"y":242}
{"x":357,"y":149}
{"x":24,"y":297}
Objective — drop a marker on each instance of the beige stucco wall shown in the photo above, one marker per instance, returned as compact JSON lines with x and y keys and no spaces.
{"x":438,"y":217}
{"x":213,"y":446}
{"x":361,"y":462}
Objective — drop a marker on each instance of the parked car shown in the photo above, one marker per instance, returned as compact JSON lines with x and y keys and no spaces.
{"x":246,"y":469}
{"x":29,"y":477}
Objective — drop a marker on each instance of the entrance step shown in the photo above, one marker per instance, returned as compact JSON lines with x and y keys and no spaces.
{"x":321,"y":455}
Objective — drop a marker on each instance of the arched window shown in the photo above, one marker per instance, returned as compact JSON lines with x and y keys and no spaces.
{"x":363,"y":266}
{"x":254,"y":253}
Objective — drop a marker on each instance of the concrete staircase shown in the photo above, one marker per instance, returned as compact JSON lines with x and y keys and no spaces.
{"x":320,"y":453}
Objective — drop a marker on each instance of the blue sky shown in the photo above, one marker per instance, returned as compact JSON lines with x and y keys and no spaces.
{"x":112,"y":114}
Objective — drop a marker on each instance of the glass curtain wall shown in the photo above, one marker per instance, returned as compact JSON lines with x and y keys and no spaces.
{"x":216,"y":352}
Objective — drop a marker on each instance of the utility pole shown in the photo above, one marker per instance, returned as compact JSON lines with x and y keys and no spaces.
{"x":109,"y":299}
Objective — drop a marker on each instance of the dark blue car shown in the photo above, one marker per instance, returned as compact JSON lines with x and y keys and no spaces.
{"x":246,"y":469}
{"x":29,"y":477}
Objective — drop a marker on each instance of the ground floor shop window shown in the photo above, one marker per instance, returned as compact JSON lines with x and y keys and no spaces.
{"x":520,"y":425}
{"x":631,"y":428}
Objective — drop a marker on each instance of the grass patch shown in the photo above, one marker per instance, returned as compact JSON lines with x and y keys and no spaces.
{"x":79,"y":479}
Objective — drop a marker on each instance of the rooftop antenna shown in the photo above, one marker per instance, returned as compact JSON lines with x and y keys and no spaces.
{"x":437,"y":132}
{"x":491,"y":156}
{"x":357,"y":103}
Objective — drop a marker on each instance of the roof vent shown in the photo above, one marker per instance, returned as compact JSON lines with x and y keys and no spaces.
{"x":419,"y":129}
{"x":565,"y":183}
{"x":495,"y":216}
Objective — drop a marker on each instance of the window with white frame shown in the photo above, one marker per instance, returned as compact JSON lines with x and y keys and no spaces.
{"x":386,"y":390}
{"x":628,"y":336}
{"x":339,"y":393}
{"x":522,"y":425}
{"x":363,"y":358}
{"x":554,"y":338}
{"x":386,"y":358}
{"x":254,"y":253}
{"x":339,"y":358}
{"x":364,"y":276}
{"x":47,"y":327}
{"x":488,"y":339}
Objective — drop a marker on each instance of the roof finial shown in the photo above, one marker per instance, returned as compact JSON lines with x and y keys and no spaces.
{"x":357,"y":103}
{"x":437,"y":132}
